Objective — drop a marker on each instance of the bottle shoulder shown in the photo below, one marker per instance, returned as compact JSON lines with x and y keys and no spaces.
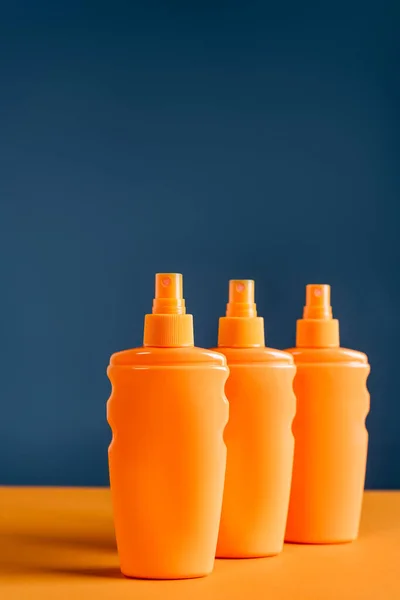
{"x":255,"y":355}
{"x":327,"y":355}
{"x":145,"y":356}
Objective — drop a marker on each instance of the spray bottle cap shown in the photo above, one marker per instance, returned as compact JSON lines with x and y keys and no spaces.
{"x":241,"y":328}
{"x":168,"y":326}
{"x":317,"y":328}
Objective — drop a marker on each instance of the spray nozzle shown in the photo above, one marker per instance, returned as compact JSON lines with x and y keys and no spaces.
{"x":318,"y":302}
{"x":169,"y":295}
{"x":317,"y":328}
{"x":241,"y":328}
{"x":168,"y":326}
{"x":241,"y":299}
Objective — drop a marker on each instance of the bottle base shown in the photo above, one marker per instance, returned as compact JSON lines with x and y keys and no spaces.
{"x":164,"y":576}
{"x":318,"y":541}
{"x":247,"y":554}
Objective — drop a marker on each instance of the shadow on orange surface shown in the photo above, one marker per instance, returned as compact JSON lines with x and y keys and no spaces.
{"x":56,"y":554}
{"x":103,"y":572}
{"x":48,"y":531}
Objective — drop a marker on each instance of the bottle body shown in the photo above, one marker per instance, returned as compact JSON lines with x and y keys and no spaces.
{"x":330,"y":445}
{"x":167,"y":459}
{"x":260,"y":447}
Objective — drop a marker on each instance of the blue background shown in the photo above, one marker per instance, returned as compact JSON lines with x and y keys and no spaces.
{"x":218,"y":139}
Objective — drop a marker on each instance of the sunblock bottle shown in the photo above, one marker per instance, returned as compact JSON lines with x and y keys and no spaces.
{"x":167,"y":458}
{"x":329,"y":429}
{"x":258,"y":436}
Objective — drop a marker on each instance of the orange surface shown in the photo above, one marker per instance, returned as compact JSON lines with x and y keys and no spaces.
{"x":59,"y":543}
{"x":167,"y":457}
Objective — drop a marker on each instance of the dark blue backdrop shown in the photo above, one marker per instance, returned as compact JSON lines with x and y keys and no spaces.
{"x":217,"y":139}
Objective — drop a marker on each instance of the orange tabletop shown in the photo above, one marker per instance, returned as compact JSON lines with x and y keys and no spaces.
{"x":59,"y":543}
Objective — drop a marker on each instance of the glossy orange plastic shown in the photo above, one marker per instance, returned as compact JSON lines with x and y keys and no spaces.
{"x":258,"y":435}
{"x":167,"y":458}
{"x":329,"y":428}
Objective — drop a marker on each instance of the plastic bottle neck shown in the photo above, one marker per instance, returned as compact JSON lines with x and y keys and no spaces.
{"x":317,"y":328}
{"x":241,"y":327}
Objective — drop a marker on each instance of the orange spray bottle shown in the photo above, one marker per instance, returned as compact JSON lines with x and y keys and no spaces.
{"x":329,"y":428}
{"x":167,"y":458}
{"x":258,"y":435}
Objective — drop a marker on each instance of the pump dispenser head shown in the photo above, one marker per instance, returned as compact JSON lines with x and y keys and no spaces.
{"x":241,"y":328}
{"x":317,"y":328}
{"x":168,"y":326}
